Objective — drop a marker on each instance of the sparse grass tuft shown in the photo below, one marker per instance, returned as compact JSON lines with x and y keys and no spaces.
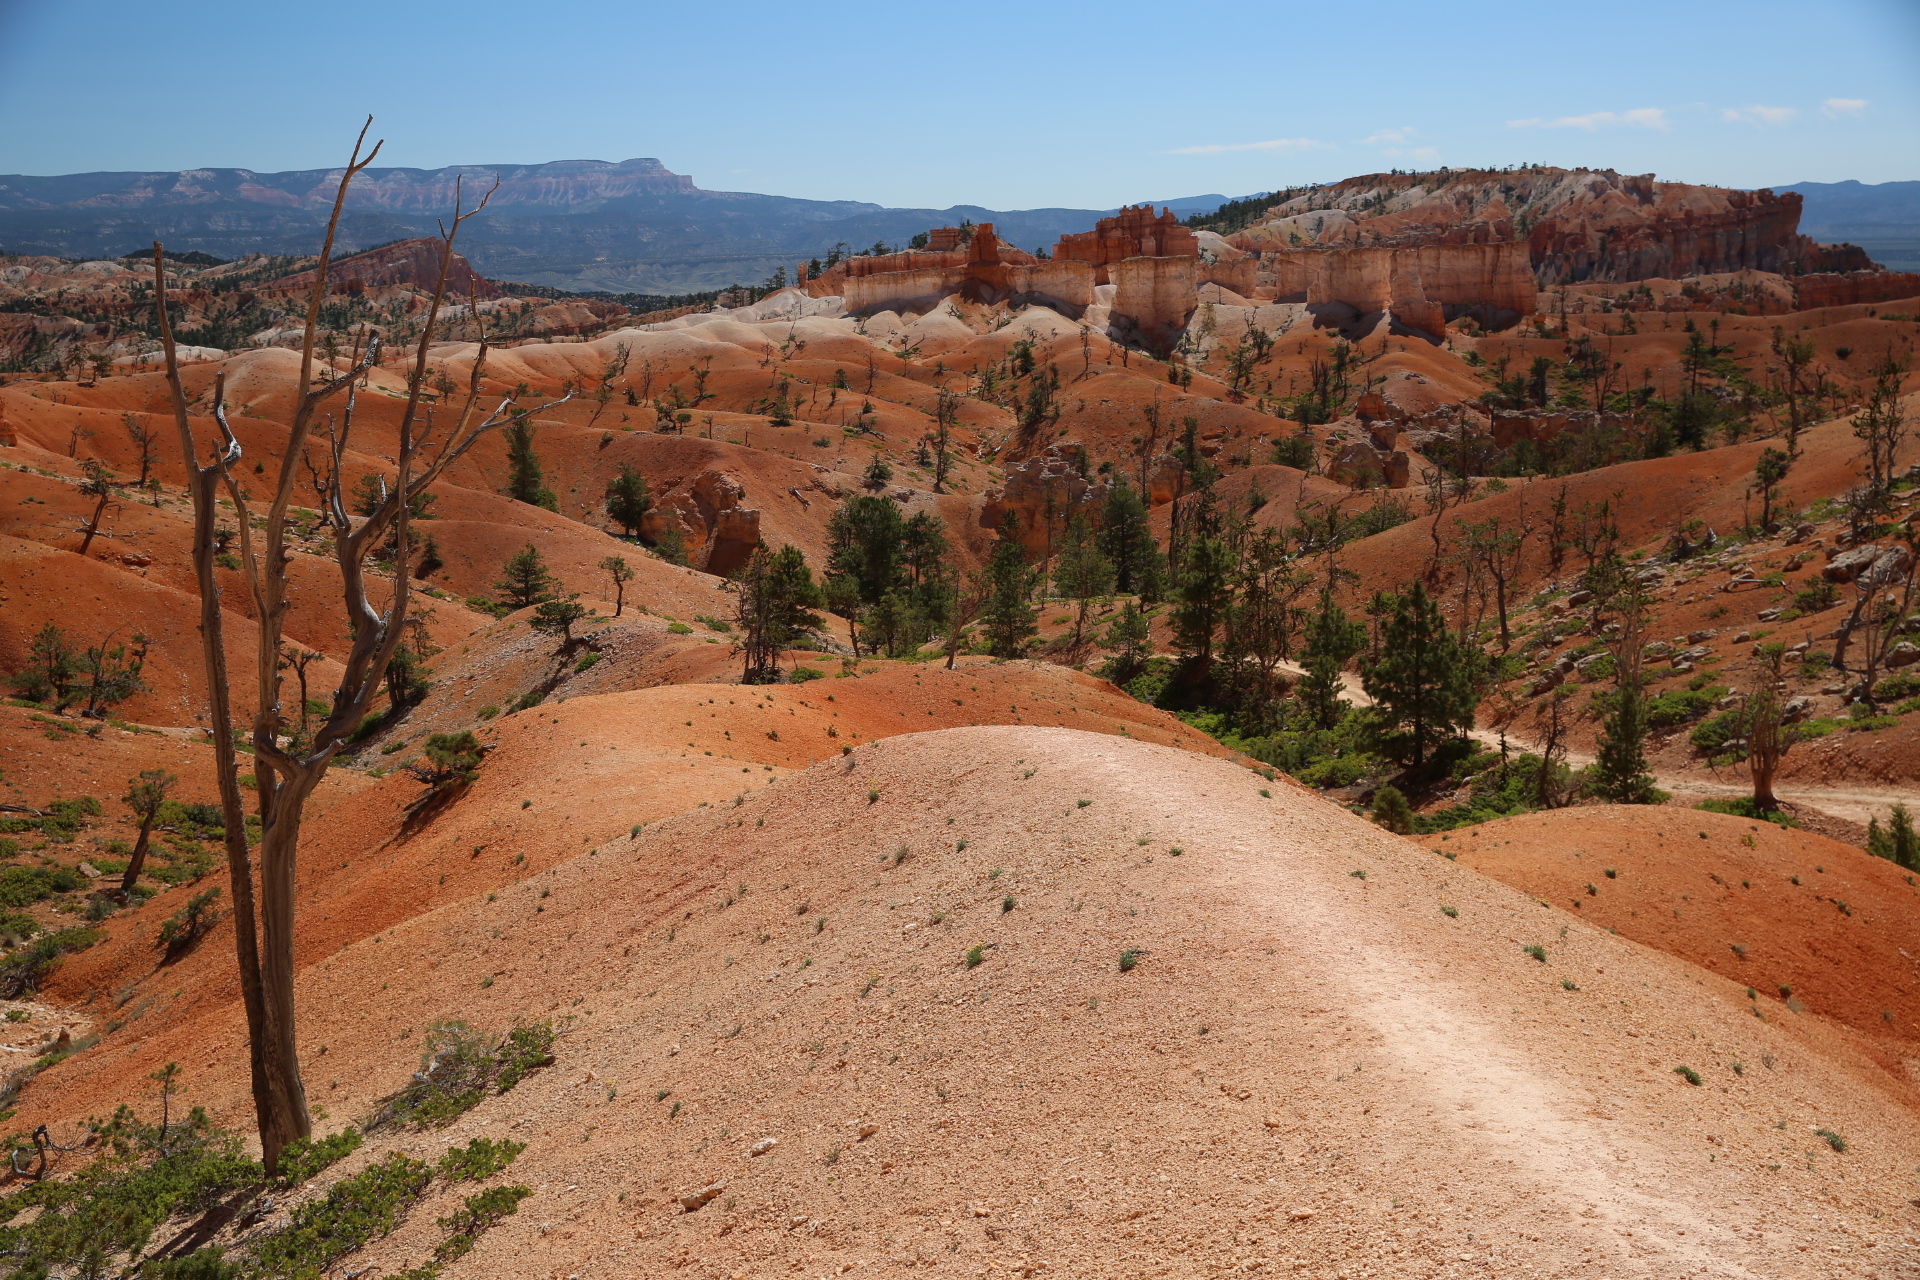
{"x":1834,"y":1140}
{"x":975,"y":957}
{"x":1451,"y":913}
{"x":1128,"y":959}
{"x":1537,"y":951}
{"x":1692,"y":1077}
{"x":1006,"y":904}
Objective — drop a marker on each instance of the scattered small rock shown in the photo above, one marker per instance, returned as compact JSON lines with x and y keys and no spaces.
{"x":763,"y":1146}
{"x":694,"y":1199}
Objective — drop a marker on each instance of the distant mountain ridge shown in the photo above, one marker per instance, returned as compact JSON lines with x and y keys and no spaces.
{"x":627,"y":226}
{"x":1882,"y":218}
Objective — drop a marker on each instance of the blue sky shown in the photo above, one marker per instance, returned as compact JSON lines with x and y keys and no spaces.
{"x":998,"y":104}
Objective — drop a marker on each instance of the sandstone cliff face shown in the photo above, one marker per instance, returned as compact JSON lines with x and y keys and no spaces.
{"x":1578,"y":224}
{"x":1135,"y":232}
{"x":1422,"y":287}
{"x":986,"y":269}
{"x":413,"y":263}
{"x":1841,"y":289}
{"x":719,"y":530}
{"x":1156,"y":295}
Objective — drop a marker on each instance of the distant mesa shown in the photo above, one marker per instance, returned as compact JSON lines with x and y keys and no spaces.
{"x":1419,"y":249}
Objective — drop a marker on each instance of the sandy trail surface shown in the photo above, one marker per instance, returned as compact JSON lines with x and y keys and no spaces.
{"x":1308,"y":1070}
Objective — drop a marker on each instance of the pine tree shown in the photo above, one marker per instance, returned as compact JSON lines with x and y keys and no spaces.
{"x":524,"y":579}
{"x":1008,"y":616}
{"x":558,"y":617}
{"x":1620,"y":774}
{"x":776,"y":594}
{"x":672,"y":546}
{"x":1128,"y":543}
{"x":1202,"y":596}
{"x":1332,"y":639}
{"x":622,"y":573}
{"x":628,"y":500}
{"x":1898,"y":843}
{"x":1391,"y":810}
{"x":1081,"y":571}
{"x":1422,"y":681}
{"x":523,"y":469}
{"x":1129,"y":638}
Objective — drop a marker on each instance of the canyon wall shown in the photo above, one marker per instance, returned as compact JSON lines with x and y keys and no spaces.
{"x":1157,"y":294}
{"x":1842,"y":289}
{"x":1135,"y":232}
{"x":1422,"y":286}
{"x":1577,"y":224}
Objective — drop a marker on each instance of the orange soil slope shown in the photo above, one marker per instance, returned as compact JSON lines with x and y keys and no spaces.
{"x":572,"y":774}
{"x":1843,"y":942}
{"x":1307,"y":1071}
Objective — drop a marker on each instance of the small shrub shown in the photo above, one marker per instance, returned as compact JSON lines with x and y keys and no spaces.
{"x":1744,"y":807}
{"x":975,"y":957}
{"x":1834,"y":1140}
{"x":25,"y":969}
{"x":586,"y":661}
{"x":1451,"y":913}
{"x":1537,"y":952}
{"x":1566,"y":984}
{"x":1691,"y":1076}
{"x":1128,"y":959}
{"x":1391,"y":810}
{"x":302,"y":1158}
{"x":481,"y":1158}
{"x":803,"y":674}
{"x":354,"y":1211}
{"x":489,"y":711}
{"x":458,"y":1066}
{"x":679,"y":628}
{"x":1006,"y":904}
{"x":186,"y":926}
{"x":476,"y":1213}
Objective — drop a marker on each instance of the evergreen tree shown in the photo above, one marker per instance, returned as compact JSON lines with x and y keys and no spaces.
{"x":1332,"y":639}
{"x":1008,"y":616}
{"x":145,"y":795}
{"x":1202,"y":596}
{"x":407,"y":683}
{"x":1898,"y":843}
{"x":52,"y":664}
{"x":776,"y":594}
{"x":558,"y":617}
{"x":523,"y":468}
{"x":1422,"y":681}
{"x":1129,"y":638}
{"x":1391,"y":810}
{"x":1620,"y":773}
{"x":524,"y":579}
{"x":622,"y":573}
{"x":1081,"y":571}
{"x":628,"y":500}
{"x":672,"y":546}
{"x":1127,"y":542}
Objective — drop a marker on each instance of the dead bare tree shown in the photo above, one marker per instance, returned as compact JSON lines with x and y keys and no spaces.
{"x":288,"y":769}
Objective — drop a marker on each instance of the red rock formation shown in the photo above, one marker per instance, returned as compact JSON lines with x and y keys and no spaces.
{"x":1421,"y":286}
{"x":1132,"y":233}
{"x":1838,"y":289}
{"x":413,"y":263}
{"x":985,"y":269}
{"x":1157,"y":294}
{"x":1578,"y":224}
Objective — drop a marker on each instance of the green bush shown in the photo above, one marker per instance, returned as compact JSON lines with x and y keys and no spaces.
{"x":1678,"y":706}
{"x":458,"y":1066}
{"x":1744,"y":807}
{"x":586,"y":661}
{"x":24,"y":886}
{"x":803,"y":674}
{"x":26,"y":968}
{"x":1717,"y":736}
{"x":1902,"y":684}
{"x":354,"y":1211}
{"x":304,"y":1157}
{"x":481,"y":1158}
{"x":184,"y":927}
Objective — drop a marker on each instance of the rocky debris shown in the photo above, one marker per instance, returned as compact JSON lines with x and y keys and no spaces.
{"x":763,"y":1146}
{"x":867,"y":1130}
{"x":695,"y":1199}
{"x":1851,"y":564}
{"x":1904,"y":654}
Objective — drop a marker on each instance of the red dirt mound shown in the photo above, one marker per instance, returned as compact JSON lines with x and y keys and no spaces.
{"x":1304,"y":1071}
{"x":1809,"y":924}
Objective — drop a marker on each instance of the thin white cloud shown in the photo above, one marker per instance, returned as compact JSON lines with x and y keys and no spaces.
{"x":1757,"y":114}
{"x":1275,"y":144}
{"x":1388,"y":137}
{"x":1834,"y":108}
{"x":1638,"y":118}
